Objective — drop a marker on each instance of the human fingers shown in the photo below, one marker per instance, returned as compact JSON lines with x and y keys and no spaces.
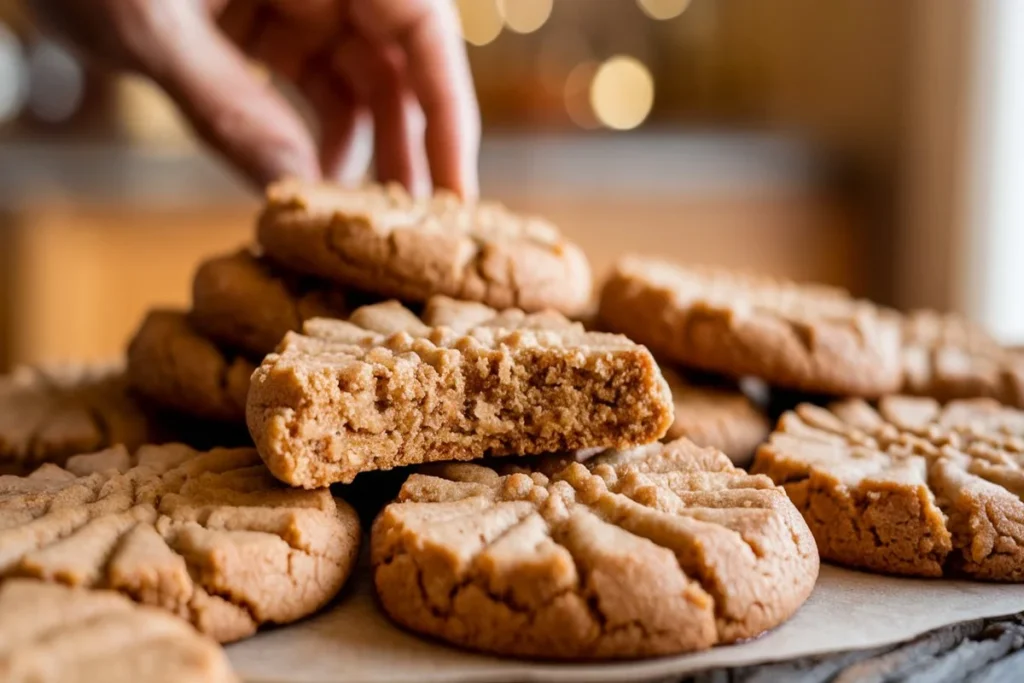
{"x":377,"y":74}
{"x":345,"y":125}
{"x":231,"y":108}
{"x":439,"y":75}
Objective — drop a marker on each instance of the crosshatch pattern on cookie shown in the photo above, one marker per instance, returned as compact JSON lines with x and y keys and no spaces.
{"x":55,"y":633}
{"x":242,"y":301}
{"x":210,"y":537}
{"x":388,"y":388}
{"x":662,"y":550}
{"x":808,"y":337}
{"x":912,"y":487}
{"x":48,"y":413}
{"x":382,"y":240}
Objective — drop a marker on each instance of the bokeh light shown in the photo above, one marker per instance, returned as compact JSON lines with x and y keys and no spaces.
{"x":622,"y":93}
{"x":525,"y":16}
{"x":577,"y":95}
{"x":481,"y":20}
{"x":663,"y":9}
{"x":13,"y":80}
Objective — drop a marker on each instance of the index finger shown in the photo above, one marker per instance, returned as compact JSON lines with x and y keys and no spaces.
{"x":440,"y":77}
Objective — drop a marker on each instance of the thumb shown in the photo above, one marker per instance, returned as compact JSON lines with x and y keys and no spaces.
{"x":230,"y":107}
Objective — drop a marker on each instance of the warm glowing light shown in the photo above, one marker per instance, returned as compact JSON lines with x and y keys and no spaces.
{"x":525,"y":16}
{"x":577,"y":95}
{"x":481,"y":20}
{"x":622,"y":93}
{"x":663,"y":9}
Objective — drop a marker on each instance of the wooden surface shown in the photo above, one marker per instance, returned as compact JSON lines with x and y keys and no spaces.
{"x":980,"y":651}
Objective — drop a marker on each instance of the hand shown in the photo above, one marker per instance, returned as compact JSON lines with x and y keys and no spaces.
{"x":398,"y":61}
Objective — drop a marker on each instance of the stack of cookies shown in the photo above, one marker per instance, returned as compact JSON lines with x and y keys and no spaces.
{"x":568,"y":491}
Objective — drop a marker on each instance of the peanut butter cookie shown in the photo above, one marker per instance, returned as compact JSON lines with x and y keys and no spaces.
{"x":51,"y":633}
{"x":381,"y":240}
{"x":716,"y":417}
{"x":946,"y":357}
{"x":658,"y":551}
{"x":912,"y":487}
{"x":210,"y":537}
{"x":174,"y":366}
{"x":808,"y":337}
{"x":50,"y":412}
{"x":388,"y":388}
{"x":242,"y":302}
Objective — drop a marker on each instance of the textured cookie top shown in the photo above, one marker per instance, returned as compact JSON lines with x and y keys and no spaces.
{"x":946,"y":357}
{"x":242,"y":301}
{"x":803,"y":336}
{"x":180,"y":530}
{"x":661,"y":550}
{"x":380,"y":239}
{"x":50,"y":412}
{"x":389,"y":388}
{"x":174,"y":366}
{"x":55,"y":633}
{"x":716,"y":417}
{"x":912,"y":487}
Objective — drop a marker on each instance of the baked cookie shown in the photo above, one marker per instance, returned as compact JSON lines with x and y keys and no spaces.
{"x":800,"y":336}
{"x":210,"y":537}
{"x":242,"y":302}
{"x":380,"y":239}
{"x":388,"y":388}
{"x":946,"y":357}
{"x":912,"y":487}
{"x":170,"y":363}
{"x":664,"y":550}
{"x":51,"y":633}
{"x":50,"y":412}
{"x":716,"y":417}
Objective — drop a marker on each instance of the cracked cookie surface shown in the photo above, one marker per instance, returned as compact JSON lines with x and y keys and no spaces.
{"x":50,"y":412}
{"x":51,"y":633}
{"x":716,"y":417}
{"x":388,"y":388}
{"x":210,"y":537}
{"x":242,"y":301}
{"x":661,"y":550}
{"x":946,"y":357}
{"x":912,"y":487}
{"x":380,"y":239}
{"x":800,"y":336}
{"x":173,"y":365}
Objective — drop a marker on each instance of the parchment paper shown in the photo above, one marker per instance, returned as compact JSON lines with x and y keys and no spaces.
{"x":353,"y":642}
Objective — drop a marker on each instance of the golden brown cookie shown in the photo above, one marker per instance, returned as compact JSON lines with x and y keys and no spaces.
{"x":242,"y":302}
{"x":912,"y":487}
{"x":388,"y":388}
{"x":664,"y":550}
{"x":380,"y":239}
{"x":50,"y":412}
{"x":210,"y":537}
{"x":808,"y":337}
{"x":173,"y":365}
{"x":716,"y":417}
{"x":946,"y":357}
{"x":51,"y":633}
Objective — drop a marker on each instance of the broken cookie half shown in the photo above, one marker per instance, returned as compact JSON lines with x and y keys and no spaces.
{"x":463,"y":381}
{"x":209,"y":537}
{"x":661,"y":550}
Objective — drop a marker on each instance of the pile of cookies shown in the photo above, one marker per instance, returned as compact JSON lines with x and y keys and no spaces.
{"x":569,"y":490}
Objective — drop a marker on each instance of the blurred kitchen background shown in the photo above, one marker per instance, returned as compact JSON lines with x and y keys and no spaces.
{"x":873,"y":144}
